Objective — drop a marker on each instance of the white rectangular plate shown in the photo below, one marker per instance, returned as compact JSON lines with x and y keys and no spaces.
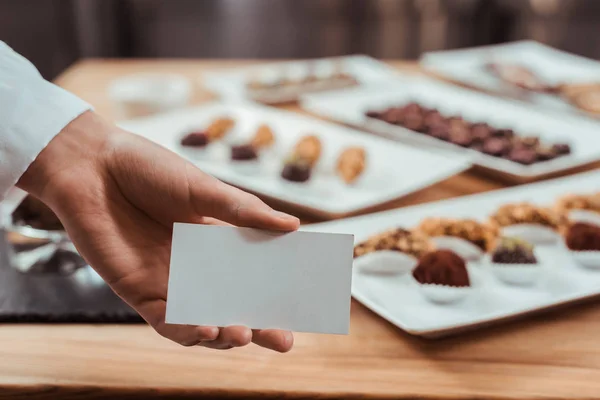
{"x":397,"y":299}
{"x":231,"y":84}
{"x":393,"y":170}
{"x":223,"y":276}
{"x":551,"y":65}
{"x":349,"y":107}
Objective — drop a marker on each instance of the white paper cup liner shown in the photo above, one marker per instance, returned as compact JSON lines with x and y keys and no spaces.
{"x":590,"y":217}
{"x":443,"y":294}
{"x":385,"y":262}
{"x":533,"y":233}
{"x":462,"y":247}
{"x":587,"y":258}
{"x":517,"y":274}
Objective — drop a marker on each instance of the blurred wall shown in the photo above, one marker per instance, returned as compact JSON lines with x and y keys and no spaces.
{"x":55,"y":33}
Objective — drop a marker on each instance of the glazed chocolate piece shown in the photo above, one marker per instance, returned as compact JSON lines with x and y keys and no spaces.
{"x":583,"y":237}
{"x":244,"y":152}
{"x":514,"y":251}
{"x":195,"y":139}
{"x":442,"y":267}
{"x":296,"y":171}
{"x":523,"y":156}
{"x":496,"y":147}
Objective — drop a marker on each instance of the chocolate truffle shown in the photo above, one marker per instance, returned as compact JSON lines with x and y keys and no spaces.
{"x":514,"y":251}
{"x":433,"y":118}
{"x":440,"y":131}
{"x":561,"y":149}
{"x":496,"y":147}
{"x":583,"y":237}
{"x":414,"y":122}
{"x":523,"y":156}
{"x":195,"y":139}
{"x":503,"y":133}
{"x":481,"y":131}
{"x":244,"y":152}
{"x":442,"y":267}
{"x":296,"y":171}
{"x":461,"y":137}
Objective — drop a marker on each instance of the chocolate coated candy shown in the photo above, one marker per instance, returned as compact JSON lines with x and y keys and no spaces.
{"x":481,"y":132}
{"x":442,"y":267}
{"x":561,"y":149}
{"x":296,"y":172}
{"x":583,"y":237}
{"x":414,"y":122}
{"x":195,"y":139}
{"x":514,"y":251}
{"x":496,"y":147}
{"x":440,"y":131}
{"x":523,"y":156}
{"x":243,"y":152}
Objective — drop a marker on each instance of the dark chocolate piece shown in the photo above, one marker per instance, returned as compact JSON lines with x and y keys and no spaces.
{"x":414,"y":122}
{"x":442,"y":267}
{"x":583,"y":237}
{"x":514,"y":251}
{"x":481,"y":131}
{"x":195,"y":139}
{"x":523,"y":156}
{"x":561,"y":149}
{"x":441,"y":131}
{"x":497,"y":147}
{"x":296,"y":171}
{"x":244,"y":152}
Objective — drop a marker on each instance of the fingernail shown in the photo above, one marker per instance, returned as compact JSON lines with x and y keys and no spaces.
{"x":284,"y":216}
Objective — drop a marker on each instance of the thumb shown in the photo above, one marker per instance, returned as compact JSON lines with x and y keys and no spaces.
{"x":213,"y":198}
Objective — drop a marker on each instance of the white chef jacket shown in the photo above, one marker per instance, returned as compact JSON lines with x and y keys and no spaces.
{"x":32,"y":112}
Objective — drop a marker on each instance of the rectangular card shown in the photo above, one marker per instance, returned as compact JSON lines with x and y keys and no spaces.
{"x":223,"y":276}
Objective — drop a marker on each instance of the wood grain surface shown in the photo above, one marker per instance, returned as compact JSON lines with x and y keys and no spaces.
{"x":552,"y":356}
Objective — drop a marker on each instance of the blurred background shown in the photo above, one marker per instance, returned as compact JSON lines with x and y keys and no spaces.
{"x":55,"y":33}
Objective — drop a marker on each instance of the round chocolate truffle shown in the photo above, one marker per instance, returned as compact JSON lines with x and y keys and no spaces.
{"x":523,"y":156}
{"x":442,"y":267}
{"x":296,"y":171}
{"x":244,"y":152}
{"x":561,"y":149}
{"x":583,"y":237}
{"x":195,"y":139}
{"x":514,"y":251}
{"x":440,"y":131}
{"x":496,"y":147}
{"x":414,"y":121}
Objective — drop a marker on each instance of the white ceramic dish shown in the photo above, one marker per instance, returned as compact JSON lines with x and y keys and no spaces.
{"x":349,"y":106}
{"x":552,"y":65}
{"x":231,"y":84}
{"x":562,"y":280}
{"x":393,"y":170}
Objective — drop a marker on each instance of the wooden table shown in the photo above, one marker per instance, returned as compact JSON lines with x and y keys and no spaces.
{"x":556,"y":355}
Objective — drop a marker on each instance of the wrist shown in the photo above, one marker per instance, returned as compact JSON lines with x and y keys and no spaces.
{"x":78,"y":147}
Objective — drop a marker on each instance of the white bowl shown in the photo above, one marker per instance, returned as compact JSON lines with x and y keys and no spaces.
{"x":146,"y":94}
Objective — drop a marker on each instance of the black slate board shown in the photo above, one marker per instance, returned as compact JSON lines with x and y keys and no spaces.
{"x":47,"y":297}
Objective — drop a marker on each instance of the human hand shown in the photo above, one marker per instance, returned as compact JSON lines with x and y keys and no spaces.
{"x":118,"y":195}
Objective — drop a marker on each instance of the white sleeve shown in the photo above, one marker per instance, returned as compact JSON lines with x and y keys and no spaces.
{"x":32,"y":112}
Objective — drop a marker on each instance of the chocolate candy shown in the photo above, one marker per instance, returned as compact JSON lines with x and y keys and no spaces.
{"x":414,"y":121}
{"x":195,"y":139}
{"x":523,"y":156}
{"x":583,"y":237}
{"x":296,"y":171}
{"x":440,"y":131}
{"x":561,"y":149}
{"x":514,"y":251}
{"x":503,"y":133}
{"x":481,"y":131}
{"x":496,"y":147}
{"x":442,"y":267}
{"x":244,"y":152}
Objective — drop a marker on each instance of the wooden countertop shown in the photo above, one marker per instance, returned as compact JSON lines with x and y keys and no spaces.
{"x":555,"y":355}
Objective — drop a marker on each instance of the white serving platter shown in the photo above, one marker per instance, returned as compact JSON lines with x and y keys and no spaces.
{"x":349,"y":106}
{"x":397,"y":299}
{"x":231,"y":84}
{"x":393,"y":170}
{"x":553,"y":66}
